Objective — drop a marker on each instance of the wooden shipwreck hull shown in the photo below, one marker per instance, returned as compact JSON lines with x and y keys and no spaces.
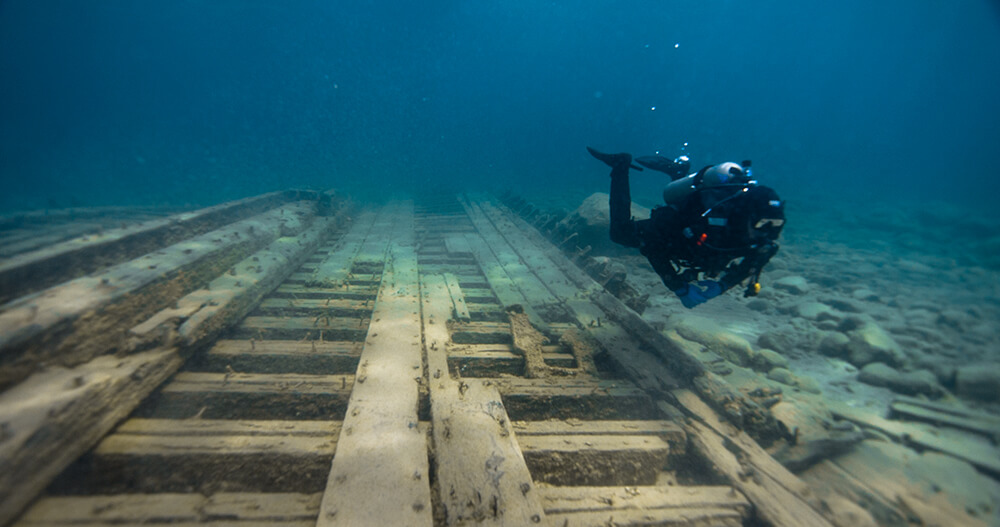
{"x":287,"y":360}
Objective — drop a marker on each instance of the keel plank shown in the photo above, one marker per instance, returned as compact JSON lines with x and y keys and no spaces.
{"x":381,"y":446}
{"x":481,"y":472}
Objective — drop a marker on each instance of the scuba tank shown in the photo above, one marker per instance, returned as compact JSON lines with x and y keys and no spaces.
{"x":710,"y":176}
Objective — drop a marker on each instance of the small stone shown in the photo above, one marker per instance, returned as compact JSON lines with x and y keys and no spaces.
{"x":794,"y":284}
{"x":815,"y":311}
{"x":767,"y":359}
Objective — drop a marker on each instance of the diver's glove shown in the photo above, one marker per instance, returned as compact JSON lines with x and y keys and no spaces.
{"x":691,"y":295}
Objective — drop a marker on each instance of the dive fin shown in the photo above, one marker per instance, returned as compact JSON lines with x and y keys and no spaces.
{"x":662,"y":164}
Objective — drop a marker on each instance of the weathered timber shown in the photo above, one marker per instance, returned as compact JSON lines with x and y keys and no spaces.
{"x":482,"y":476}
{"x":527,"y":342}
{"x":979,"y":452}
{"x":251,"y":396}
{"x":457,"y":298}
{"x":333,"y":307}
{"x":281,"y":356}
{"x":381,"y":446}
{"x":594,"y":460}
{"x":498,"y":363}
{"x":27,"y":273}
{"x":948,"y":415}
{"x":335,"y":269}
{"x":204,"y":313}
{"x":779,"y":497}
{"x":302,"y":328}
{"x":668,"y":431}
{"x":643,"y":506}
{"x":56,"y":415}
{"x":162,"y":455}
{"x":250,"y":509}
{"x":538,"y":399}
{"x":132,"y":379}
{"x":73,"y":322}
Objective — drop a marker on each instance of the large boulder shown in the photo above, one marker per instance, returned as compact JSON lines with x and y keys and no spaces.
{"x":706,"y":332}
{"x":870,"y":343}
{"x":591,"y":220}
{"x":979,"y":381}
{"x":919,"y":382}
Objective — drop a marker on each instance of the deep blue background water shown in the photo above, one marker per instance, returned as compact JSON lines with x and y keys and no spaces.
{"x":125,"y":101}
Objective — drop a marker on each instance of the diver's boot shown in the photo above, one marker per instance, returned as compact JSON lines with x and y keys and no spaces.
{"x":613,"y":160}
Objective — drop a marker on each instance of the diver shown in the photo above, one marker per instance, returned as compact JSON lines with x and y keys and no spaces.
{"x":717,"y":228}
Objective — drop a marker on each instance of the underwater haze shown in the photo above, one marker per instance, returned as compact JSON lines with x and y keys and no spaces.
{"x":121,"y":102}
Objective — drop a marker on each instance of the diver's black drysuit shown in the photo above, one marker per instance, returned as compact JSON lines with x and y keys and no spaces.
{"x":704,"y":233}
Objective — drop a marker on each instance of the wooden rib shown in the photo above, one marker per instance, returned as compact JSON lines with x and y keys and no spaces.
{"x":642,"y":506}
{"x":594,"y":460}
{"x":278,"y":509}
{"x":252,"y":396}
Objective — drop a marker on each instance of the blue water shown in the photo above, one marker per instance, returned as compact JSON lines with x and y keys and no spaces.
{"x":191,"y":102}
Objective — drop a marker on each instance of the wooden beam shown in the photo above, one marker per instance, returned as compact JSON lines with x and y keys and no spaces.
{"x":277,"y":509}
{"x":281,"y":356}
{"x":55,"y":416}
{"x":167,"y":455}
{"x":594,"y":460}
{"x":635,"y":505}
{"x":74,"y":322}
{"x":380,"y":474}
{"x":481,"y":473}
{"x":45,"y":267}
{"x":252,"y":396}
{"x":780,"y":498}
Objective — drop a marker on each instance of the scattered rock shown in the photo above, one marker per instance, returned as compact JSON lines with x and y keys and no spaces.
{"x":919,"y":382}
{"x":794,"y":284}
{"x":815,"y":311}
{"x":865,"y":294}
{"x":785,"y":376}
{"x":706,"y":332}
{"x":870,"y":343}
{"x":834,"y":345}
{"x":766,"y":360}
{"x":590,"y":223}
{"x":979,"y":381}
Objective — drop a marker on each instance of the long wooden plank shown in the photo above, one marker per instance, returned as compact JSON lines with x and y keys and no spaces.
{"x":55,"y":416}
{"x":145,"y":459}
{"x":457,"y":298}
{"x":981,"y":453}
{"x":48,"y":266}
{"x":252,"y":396}
{"x":278,"y":509}
{"x":669,"y":431}
{"x":71,"y":323}
{"x":779,"y":496}
{"x":281,"y":356}
{"x":379,"y":475}
{"x":481,"y":472}
{"x":635,"y":505}
{"x":335,"y":269}
{"x":595,"y":460}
